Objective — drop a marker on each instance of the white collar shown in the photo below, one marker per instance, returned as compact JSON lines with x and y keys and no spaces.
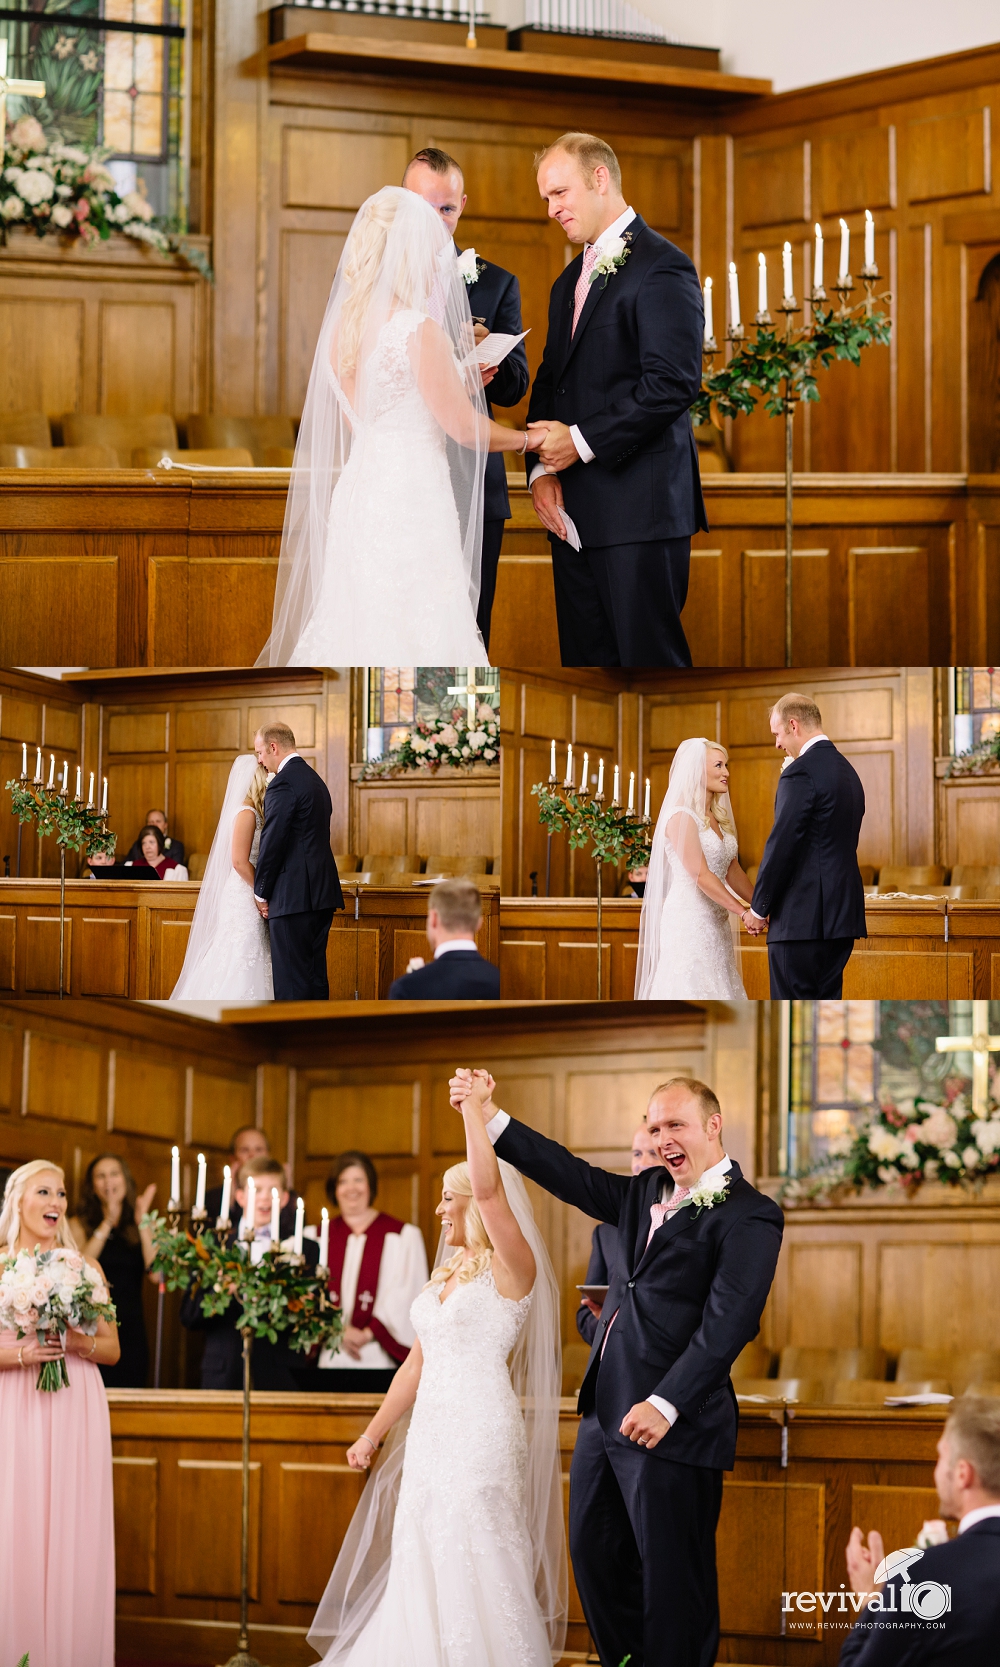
{"x":453,"y":943}
{"x":616,"y":229}
{"x":284,"y":761}
{"x":980,"y":1514}
{"x":710,"y":1177}
{"x":812,"y":742}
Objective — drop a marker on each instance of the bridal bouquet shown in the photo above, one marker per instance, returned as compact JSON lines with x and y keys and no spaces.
{"x":49,"y":1291}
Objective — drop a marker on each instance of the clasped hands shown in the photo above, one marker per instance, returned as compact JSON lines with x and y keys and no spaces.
{"x":553,"y":445}
{"x":754,"y":924}
{"x":477,"y":1086}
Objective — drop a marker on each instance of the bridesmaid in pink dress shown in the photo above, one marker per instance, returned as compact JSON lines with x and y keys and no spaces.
{"x":57,"y":1548}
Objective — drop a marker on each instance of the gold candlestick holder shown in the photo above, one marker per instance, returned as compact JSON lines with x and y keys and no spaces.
{"x":844,"y":287}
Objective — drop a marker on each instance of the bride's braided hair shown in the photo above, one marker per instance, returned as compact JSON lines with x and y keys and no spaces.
{"x":456,"y":1179}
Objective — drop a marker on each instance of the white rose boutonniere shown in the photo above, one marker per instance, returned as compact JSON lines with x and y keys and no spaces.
{"x":706,"y":1197}
{"x":610,"y":258}
{"x":470,"y":266}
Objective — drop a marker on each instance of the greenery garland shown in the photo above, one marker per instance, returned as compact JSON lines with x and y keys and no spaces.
{"x":978,"y":761}
{"x":77,"y":826}
{"x":613,"y":834}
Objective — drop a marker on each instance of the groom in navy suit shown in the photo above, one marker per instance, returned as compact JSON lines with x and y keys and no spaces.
{"x":495,"y":300}
{"x":695,"y":1257}
{"x":621,"y":367}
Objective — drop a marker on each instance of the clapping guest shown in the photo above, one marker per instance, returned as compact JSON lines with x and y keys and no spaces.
{"x":602,"y":1244}
{"x":173,"y":847}
{"x":57,"y":1566}
{"x":106,"y":1228}
{"x":154,"y":854}
{"x":377,"y":1266}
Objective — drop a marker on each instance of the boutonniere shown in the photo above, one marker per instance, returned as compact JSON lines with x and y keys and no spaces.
{"x":706,"y":1197}
{"x":611,"y":257}
{"x":471,"y":267}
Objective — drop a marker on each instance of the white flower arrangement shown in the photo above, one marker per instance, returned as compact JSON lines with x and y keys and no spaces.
{"x":613,"y":255}
{"x":706,"y":1197}
{"x":471,"y":267}
{"x":436,"y":741}
{"x":49,"y":1291}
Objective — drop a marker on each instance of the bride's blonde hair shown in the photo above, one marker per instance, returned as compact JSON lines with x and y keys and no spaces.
{"x":10,"y":1215}
{"x":363,"y":261}
{"x":257,"y":789}
{"x":457,"y":1180}
{"x":723,"y":813}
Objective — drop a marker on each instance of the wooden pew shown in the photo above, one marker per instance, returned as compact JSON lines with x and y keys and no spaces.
{"x":917,"y":949}
{"x":128,"y":939}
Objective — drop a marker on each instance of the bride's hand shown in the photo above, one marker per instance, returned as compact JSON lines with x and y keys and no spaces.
{"x":476,"y":1087}
{"x":360,"y":1456}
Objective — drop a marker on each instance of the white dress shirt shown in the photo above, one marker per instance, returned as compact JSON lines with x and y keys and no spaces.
{"x":978,"y":1515}
{"x":812,"y":742}
{"x":454,"y":943}
{"x":586,"y":455}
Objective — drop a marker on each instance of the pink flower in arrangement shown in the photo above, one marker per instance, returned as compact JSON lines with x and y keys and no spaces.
{"x":952,"y":1089}
{"x":893,"y":1115}
{"x":912,"y":1133}
{"x":82,"y":210}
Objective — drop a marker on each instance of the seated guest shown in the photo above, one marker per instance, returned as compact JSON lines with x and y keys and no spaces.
{"x":106,"y":1228}
{"x":605,"y":1238}
{"x":377,"y":1266}
{"x":153,"y":854}
{"x":173,"y":847}
{"x":222,"y":1360}
{"x":967,"y":1478}
{"x":458,"y":972}
{"x":97,"y":859}
{"x":248,"y":1142}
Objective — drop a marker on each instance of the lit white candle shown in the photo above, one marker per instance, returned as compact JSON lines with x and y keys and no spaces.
{"x":761,"y":283}
{"x":585,"y":773}
{"x":709,"y":321}
{"x":275,"y":1216}
{"x":631,"y":791}
{"x":869,"y":239}
{"x":600,"y":777}
{"x":786,"y":270}
{"x":552,"y":764}
{"x":38,"y":763}
{"x":52,"y":769}
{"x":90,"y":789}
{"x":227,"y":1188}
{"x":646,"y":811}
{"x":300,"y":1221}
{"x":79,"y":780}
{"x":199,"y":1196}
{"x":250,"y":1211}
{"x":734,"y":297}
{"x":24,"y":758}
{"x":614,"y":796}
{"x":104,"y":801}
{"x":569,"y":766}
{"x":845,"y":250}
{"x":324,"y":1239}
{"x":175,"y":1176}
{"x":818,"y":259}
{"x":65,"y":776}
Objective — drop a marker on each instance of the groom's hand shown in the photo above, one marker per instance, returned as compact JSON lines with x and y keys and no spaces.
{"x":547,"y":497}
{"x":755,"y":924}
{"x":261,"y":907}
{"x":478,"y":1085}
{"x":644,"y":1425}
{"x":556,"y":449}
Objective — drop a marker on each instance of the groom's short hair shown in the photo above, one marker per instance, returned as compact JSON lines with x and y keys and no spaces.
{"x":708,"y":1104}
{"x":280,"y":733}
{"x":589,"y":151}
{"x":800,"y":707}
{"x":458,"y":904}
{"x":438,"y":161}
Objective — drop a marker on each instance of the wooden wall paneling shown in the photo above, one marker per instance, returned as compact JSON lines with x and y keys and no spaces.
{"x":207,"y":1529}
{"x":969,"y":819}
{"x":36,"y":714}
{"x":453,"y":812}
{"x":315,"y":1506}
{"x":381,"y":928}
{"x":136,"y":1490}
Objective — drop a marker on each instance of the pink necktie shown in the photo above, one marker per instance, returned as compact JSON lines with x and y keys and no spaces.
{"x":659,"y":1214}
{"x":583,"y":283}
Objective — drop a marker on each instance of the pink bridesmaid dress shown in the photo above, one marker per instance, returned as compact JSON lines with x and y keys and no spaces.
{"x":57,"y":1531}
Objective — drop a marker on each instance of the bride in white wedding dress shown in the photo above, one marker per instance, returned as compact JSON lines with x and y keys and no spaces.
{"x":229,"y":953}
{"x":456,"y":1555}
{"x":382,"y":542}
{"x":695,"y":891}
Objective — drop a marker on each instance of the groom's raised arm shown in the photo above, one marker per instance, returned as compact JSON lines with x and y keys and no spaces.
{"x":793,"y":809}
{"x":597,"y":1192}
{"x":279,"y":808}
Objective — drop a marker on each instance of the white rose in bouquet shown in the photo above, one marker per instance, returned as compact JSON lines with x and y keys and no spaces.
{"x":62,"y":215}
{"x":449,"y":735}
{"x":51,"y":1291}
{"x":28,"y":133}
{"x":939,"y":1129}
{"x":34,"y":185}
{"x":884,"y":1144}
{"x":12,"y":208}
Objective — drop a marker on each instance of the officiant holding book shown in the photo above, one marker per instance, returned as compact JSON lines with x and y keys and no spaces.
{"x":621,"y":367}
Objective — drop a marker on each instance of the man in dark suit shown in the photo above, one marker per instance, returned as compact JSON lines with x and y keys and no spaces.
{"x":809,"y":890}
{"x":247,"y":1142}
{"x":941,"y":1605}
{"x":296,"y":885}
{"x":173,"y":847}
{"x":621,"y":367}
{"x":458,"y":972}
{"x":605,"y":1239}
{"x":495,"y":301}
{"x":693,"y":1266}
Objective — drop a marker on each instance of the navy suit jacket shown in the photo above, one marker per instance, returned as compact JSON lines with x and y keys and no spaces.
{"x":460,"y":975}
{"x":602,"y":1259}
{"x":685,"y":1308}
{"x":627,"y":377}
{"x":809,"y":881}
{"x":296,"y":872}
{"x":495,"y":297}
{"x":965,"y":1636}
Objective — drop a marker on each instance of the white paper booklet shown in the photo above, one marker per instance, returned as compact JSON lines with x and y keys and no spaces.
{"x":494,"y":348}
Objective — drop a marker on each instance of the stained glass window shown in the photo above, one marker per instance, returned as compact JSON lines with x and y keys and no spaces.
{"x":398,"y":696}
{"x":976,"y":706}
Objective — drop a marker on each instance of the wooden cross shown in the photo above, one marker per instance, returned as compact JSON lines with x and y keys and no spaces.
{"x":24,"y":89}
{"x":469,"y":690}
{"x":981,"y":1044}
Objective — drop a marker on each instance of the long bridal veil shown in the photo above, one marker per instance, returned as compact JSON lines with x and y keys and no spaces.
{"x":203,"y":939}
{"x":399,"y":256}
{"x":678,"y":832}
{"x":362,"y":1568}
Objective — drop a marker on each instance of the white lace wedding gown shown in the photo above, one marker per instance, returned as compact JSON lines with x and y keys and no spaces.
{"x":460,"y":1590}
{"x":238,"y":967}
{"x":394,"y":590}
{"x":697,"y":957}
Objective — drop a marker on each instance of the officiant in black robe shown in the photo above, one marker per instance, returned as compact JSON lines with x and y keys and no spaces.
{"x":495,"y":302}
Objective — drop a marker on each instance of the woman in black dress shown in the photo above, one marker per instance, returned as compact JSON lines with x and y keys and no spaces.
{"x":106,"y":1229}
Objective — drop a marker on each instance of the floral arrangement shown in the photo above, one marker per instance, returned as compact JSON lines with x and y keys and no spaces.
{"x":77,"y":826}
{"x":771,"y":359}
{"x":611,"y":833}
{"x":69,"y":192}
{"x":49,"y":1291}
{"x":436,"y":741}
{"x":904,"y":1144}
{"x":277,"y":1294}
{"x":983,"y":760}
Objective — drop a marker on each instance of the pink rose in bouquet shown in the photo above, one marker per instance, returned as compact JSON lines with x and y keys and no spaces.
{"x":51,"y":1291}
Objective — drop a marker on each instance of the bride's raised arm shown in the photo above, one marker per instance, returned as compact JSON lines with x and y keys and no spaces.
{"x":513,"y":1261}
{"x":446,"y":398}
